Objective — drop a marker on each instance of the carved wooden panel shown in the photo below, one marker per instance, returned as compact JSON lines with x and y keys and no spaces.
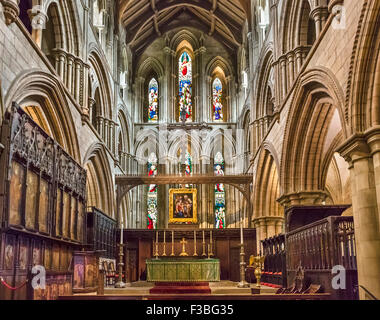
{"x":24,"y":254}
{"x":16,"y":193}
{"x":58,"y":213}
{"x":31,"y":200}
{"x":73,"y":216}
{"x":42,"y":201}
{"x":43,"y":206}
{"x":66,"y":215}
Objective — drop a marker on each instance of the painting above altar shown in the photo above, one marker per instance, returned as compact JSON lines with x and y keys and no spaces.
{"x":183,"y":206}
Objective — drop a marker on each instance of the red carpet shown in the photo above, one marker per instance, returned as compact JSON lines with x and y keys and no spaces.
{"x":181,"y":288}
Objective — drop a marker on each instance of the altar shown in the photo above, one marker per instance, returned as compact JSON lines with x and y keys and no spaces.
{"x":183,"y":269}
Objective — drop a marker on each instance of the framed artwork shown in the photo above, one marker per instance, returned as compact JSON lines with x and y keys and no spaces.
{"x":31,"y":200}
{"x":16,"y":193}
{"x":43,"y":206}
{"x":183,"y":206}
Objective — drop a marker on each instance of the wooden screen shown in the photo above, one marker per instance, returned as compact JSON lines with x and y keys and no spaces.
{"x":42,"y":201}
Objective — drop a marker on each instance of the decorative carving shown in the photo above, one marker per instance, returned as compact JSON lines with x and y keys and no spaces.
{"x":11,"y":10}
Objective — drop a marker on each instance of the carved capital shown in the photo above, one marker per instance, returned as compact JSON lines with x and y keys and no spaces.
{"x":11,"y":10}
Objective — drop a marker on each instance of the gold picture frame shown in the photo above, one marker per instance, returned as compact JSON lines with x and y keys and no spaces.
{"x":183,"y":206}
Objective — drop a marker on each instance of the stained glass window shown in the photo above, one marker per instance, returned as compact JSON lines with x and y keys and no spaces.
{"x":217,"y":95}
{"x":153,"y":101}
{"x":152,"y":193}
{"x":185,"y":87}
{"x":220,"y":199}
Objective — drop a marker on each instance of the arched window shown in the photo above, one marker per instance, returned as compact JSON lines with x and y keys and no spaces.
{"x":152,"y":194}
{"x":185,"y":87}
{"x":220,"y":199}
{"x":188,"y":165}
{"x":217,"y":94}
{"x":153,"y":101}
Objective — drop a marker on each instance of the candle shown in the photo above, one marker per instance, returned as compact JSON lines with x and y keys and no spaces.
{"x":203,"y":233}
{"x":164,"y":237}
{"x":156,"y":237}
{"x":172,"y":236}
{"x":211,"y":236}
{"x":195,"y":237}
{"x":121,"y":231}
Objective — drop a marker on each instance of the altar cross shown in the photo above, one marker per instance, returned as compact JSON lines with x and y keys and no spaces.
{"x":183,"y":253}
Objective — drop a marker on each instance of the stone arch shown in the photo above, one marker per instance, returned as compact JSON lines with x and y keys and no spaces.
{"x":362,"y":101}
{"x":100,"y":186}
{"x":267,"y":212}
{"x":219,"y":67}
{"x":124,"y":129}
{"x":97,"y":61}
{"x":297,"y":24}
{"x":47,"y":91}
{"x":316,"y":111}
{"x":264,"y":90}
{"x":184,"y":35}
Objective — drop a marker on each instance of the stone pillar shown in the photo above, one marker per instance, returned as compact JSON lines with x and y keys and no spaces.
{"x":11,"y":10}
{"x":78,"y":67}
{"x":283,"y":76}
{"x":319,"y":15}
{"x":290,"y":57}
{"x":70,"y":82}
{"x":364,"y":160}
{"x":202,"y":107}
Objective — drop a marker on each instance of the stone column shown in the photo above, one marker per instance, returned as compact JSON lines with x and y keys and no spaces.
{"x":319,"y":15}
{"x":291,"y":75}
{"x":78,"y":67}
{"x":165,"y":106}
{"x":202,"y":90}
{"x":283,"y":76}
{"x":364,"y":169}
{"x":70,"y":82}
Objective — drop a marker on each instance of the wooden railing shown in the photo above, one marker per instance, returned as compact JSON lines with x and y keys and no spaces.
{"x":322,"y":245}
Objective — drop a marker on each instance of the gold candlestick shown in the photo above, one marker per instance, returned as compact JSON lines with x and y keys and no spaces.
{"x":172,"y":254}
{"x":156,"y":254}
{"x":211,"y":253}
{"x":164,"y":253}
{"x":195,"y":244}
{"x":203,"y":245}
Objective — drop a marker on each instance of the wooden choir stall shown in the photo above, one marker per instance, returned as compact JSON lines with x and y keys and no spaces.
{"x":42,"y":210}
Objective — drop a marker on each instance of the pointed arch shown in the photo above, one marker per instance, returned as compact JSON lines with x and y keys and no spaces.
{"x":36,"y":86}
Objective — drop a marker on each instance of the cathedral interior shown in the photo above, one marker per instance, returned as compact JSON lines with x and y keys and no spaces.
{"x":142,"y":138}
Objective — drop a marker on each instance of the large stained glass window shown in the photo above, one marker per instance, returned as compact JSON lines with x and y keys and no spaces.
{"x":152,"y":193}
{"x":217,"y":94}
{"x":185,"y":87}
{"x":220,"y":198}
{"x":153,"y":101}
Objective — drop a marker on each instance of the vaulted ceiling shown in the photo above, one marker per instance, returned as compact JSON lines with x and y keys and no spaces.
{"x":145,"y":20}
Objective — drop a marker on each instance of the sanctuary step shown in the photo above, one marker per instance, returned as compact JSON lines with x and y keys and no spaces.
{"x":181,"y":288}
